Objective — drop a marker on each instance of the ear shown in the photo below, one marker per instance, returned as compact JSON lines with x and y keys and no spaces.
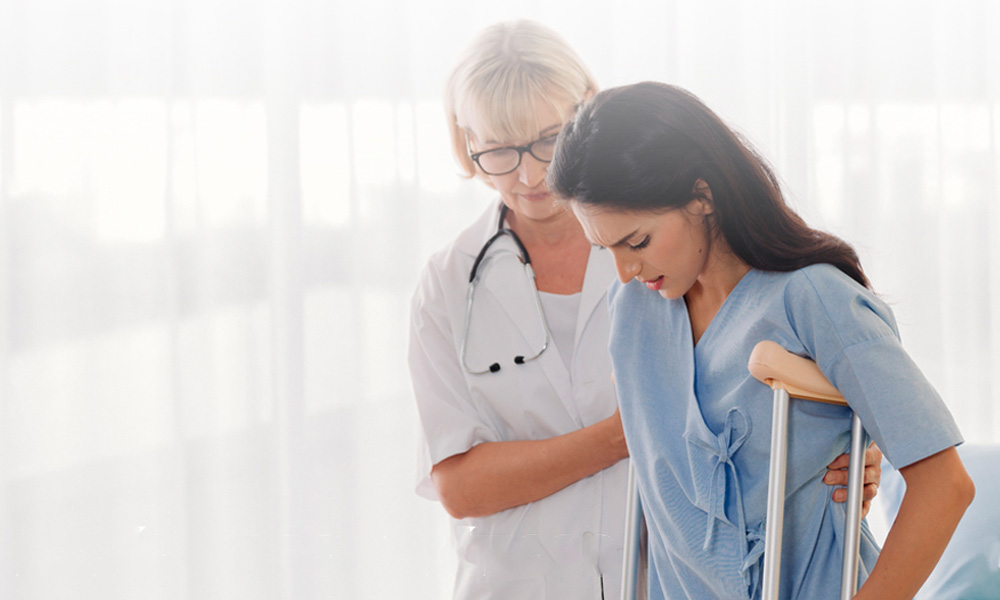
{"x":703,"y":204}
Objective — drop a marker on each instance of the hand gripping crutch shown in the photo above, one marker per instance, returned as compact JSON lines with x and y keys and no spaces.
{"x":795,"y":376}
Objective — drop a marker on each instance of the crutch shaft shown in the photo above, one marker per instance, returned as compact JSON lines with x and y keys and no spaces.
{"x":776,"y":495}
{"x":855,"y":491}
{"x":633,"y":527}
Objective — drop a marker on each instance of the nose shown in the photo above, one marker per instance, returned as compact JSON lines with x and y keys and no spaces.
{"x":627,"y":267}
{"x":531,"y":171}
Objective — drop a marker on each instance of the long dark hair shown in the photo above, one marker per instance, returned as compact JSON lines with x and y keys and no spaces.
{"x":643,"y":147}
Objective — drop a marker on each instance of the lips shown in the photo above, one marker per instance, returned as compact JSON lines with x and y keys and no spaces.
{"x":535,"y":197}
{"x":655,"y":283}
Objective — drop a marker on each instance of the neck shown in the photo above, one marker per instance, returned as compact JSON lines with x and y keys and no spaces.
{"x":722,"y":272}
{"x":560,"y":228}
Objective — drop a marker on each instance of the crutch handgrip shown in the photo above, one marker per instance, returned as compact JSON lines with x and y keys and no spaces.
{"x":780,"y":369}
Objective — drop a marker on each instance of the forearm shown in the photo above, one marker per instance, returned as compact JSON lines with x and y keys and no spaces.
{"x":938,"y":490}
{"x":495,"y":476}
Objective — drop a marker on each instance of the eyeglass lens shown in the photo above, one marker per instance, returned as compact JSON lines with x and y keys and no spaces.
{"x":505,"y":160}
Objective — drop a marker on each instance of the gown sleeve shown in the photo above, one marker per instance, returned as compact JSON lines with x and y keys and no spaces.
{"x":450,"y":423}
{"x":852,"y":336}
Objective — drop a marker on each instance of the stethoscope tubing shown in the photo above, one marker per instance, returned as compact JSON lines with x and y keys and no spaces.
{"x":479,"y":267}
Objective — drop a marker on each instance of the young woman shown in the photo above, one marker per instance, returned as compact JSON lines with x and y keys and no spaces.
{"x":711,"y":261}
{"x":525,"y":455}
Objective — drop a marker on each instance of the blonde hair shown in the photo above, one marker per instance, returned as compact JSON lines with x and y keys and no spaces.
{"x":507,"y":69}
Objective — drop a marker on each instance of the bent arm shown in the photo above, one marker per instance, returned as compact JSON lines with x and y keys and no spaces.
{"x":495,"y":476}
{"x":938,"y":490}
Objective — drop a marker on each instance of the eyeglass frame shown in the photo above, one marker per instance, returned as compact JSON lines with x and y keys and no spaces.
{"x":520,"y":153}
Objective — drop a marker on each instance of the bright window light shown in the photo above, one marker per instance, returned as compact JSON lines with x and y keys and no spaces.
{"x":325,"y":160}
{"x":231,"y":150}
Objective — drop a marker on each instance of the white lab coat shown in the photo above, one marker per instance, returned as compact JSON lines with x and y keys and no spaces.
{"x":558,"y":547}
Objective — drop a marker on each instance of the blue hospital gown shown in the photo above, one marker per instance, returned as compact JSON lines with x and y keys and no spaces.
{"x":698,"y":427}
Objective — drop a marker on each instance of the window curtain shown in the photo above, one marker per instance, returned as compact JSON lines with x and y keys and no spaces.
{"x":213,"y":215}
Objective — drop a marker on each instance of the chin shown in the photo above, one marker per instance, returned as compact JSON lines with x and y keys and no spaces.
{"x":538,"y":211}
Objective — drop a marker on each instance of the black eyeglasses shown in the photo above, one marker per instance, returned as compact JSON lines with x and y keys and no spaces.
{"x":500,"y":161}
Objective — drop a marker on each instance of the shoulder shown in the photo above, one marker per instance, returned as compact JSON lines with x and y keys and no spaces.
{"x":822,"y":295}
{"x":825,"y":277}
{"x":823,"y":283}
{"x":829,"y":286}
{"x":821,"y":277}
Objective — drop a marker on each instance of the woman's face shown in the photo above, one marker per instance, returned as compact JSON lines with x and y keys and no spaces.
{"x":666,"y":251}
{"x":523,"y":190}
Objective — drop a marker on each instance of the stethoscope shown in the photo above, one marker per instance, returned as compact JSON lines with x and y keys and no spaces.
{"x":478,"y":268}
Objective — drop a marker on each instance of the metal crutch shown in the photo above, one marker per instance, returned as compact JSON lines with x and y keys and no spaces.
{"x":634,"y":561}
{"x":794,"y":376}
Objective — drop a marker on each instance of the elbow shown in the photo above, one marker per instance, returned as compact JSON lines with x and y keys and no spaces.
{"x":452,"y":500}
{"x":941,"y":476}
{"x":453,"y":490}
{"x":959,"y":487}
{"x":965,"y":490}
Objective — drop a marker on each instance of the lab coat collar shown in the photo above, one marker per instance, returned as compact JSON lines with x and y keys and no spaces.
{"x":476,"y":235}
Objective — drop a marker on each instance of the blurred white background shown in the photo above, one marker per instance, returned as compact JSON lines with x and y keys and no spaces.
{"x":213,"y":214}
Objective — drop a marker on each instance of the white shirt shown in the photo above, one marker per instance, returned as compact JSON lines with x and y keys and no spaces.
{"x":560,"y":546}
{"x":561,"y":311}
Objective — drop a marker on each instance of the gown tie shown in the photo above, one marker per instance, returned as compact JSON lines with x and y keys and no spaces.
{"x":752,"y":541}
{"x":752,"y":562}
{"x":724,"y":448}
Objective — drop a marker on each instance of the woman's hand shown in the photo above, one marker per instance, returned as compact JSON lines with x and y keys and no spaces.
{"x":837,"y":475}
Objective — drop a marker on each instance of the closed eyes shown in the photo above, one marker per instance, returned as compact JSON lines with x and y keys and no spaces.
{"x":640,"y":245}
